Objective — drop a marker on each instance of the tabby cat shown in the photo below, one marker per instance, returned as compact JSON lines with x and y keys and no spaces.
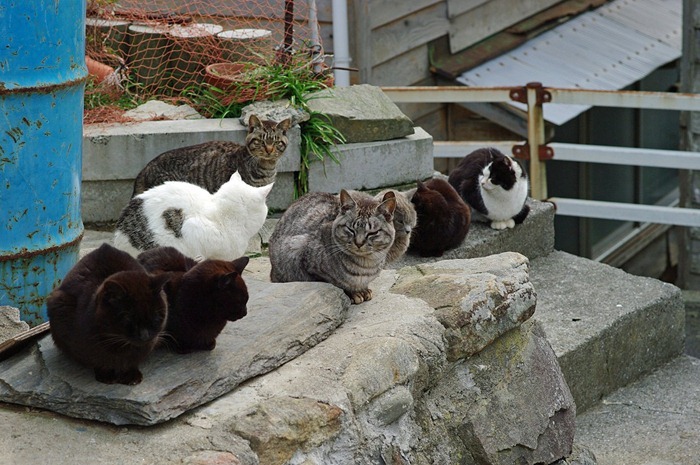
{"x":343,"y":240}
{"x":494,"y":185}
{"x":108,"y":314}
{"x":211,"y":164}
{"x":443,"y":218}
{"x":404,"y":221}
{"x":202,"y":297}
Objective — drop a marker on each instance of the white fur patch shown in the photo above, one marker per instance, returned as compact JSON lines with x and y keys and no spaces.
{"x":502,"y":205}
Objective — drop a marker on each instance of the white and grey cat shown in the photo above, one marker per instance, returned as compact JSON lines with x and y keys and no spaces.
{"x":494,"y":185}
{"x":192,"y":220}
{"x":343,"y":240}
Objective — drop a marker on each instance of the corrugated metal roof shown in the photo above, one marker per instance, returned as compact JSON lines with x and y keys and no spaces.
{"x":607,"y":49}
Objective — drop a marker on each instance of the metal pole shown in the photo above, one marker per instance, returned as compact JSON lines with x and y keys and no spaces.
{"x":535,"y":138}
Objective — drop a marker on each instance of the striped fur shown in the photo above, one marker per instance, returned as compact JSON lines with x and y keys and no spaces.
{"x":211,"y":164}
{"x":343,"y":240}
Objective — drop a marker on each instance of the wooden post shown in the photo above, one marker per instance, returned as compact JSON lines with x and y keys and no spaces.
{"x":535,"y":139}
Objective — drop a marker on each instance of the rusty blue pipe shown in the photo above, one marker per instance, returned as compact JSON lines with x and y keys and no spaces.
{"x":42,"y":81}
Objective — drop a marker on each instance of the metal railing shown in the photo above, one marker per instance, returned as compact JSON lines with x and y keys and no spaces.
{"x":537,"y":151}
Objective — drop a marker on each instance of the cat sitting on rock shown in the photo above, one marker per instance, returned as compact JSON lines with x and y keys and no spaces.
{"x":112,"y":310}
{"x":494,"y":185}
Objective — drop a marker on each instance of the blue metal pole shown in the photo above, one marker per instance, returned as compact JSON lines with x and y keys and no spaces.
{"x":42,"y":81}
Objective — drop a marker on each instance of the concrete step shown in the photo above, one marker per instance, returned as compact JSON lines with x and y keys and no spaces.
{"x":606,"y":326}
{"x":655,"y":420}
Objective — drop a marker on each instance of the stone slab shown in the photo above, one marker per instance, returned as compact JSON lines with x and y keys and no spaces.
{"x":120,"y":151}
{"x":373,"y":165}
{"x":362,"y":113}
{"x":283,"y":321}
{"x":654,"y":421}
{"x":606,"y":326}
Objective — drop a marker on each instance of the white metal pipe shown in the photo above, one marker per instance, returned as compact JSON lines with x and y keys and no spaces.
{"x":626,"y":156}
{"x":447,"y":94}
{"x":626,"y":99}
{"x":341,"y":43}
{"x":446,"y":149}
{"x":627,"y":212}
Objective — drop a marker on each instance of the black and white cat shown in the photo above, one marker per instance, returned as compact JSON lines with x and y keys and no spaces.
{"x":494,"y":185}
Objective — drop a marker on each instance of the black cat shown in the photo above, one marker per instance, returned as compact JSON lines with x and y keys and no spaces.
{"x":108,"y":314}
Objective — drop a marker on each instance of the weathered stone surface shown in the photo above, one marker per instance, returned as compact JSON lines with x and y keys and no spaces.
{"x":362,"y":113}
{"x":283,"y":321}
{"x":580,"y":455}
{"x":509,"y":403}
{"x":476,"y":300}
{"x":279,"y":110}
{"x":157,"y":110}
{"x":277,"y":427}
{"x":10,"y":324}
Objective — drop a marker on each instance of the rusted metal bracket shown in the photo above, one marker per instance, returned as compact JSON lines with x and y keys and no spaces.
{"x":519,"y":94}
{"x":522,"y":152}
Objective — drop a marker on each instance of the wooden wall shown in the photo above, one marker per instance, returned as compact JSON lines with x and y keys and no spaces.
{"x":390,"y":45}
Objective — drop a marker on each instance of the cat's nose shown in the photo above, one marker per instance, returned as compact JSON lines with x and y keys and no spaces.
{"x":144,"y":335}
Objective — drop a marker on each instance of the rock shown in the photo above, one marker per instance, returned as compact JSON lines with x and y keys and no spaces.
{"x":509,"y":403}
{"x":279,"y":110}
{"x":580,"y":455}
{"x":157,"y":110}
{"x":10,"y":324}
{"x":362,"y":113}
{"x":283,"y":321}
{"x":476,"y":300}
{"x":277,"y":427}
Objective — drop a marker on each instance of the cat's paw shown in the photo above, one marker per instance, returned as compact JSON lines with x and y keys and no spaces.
{"x":360,"y":296}
{"x":504,"y":224}
{"x":108,"y":376}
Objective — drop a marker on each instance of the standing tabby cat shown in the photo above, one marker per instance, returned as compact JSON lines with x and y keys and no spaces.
{"x":211,"y":164}
{"x":108,"y":314}
{"x":202,"y":297}
{"x":343,"y":240}
{"x":197,"y":223}
{"x":494,"y":185}
{"x":443,"y":218}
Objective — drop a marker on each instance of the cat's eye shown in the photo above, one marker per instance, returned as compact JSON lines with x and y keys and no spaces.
{"x":281,"y":146}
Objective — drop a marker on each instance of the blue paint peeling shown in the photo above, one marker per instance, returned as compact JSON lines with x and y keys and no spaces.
{"x":40,"y":148}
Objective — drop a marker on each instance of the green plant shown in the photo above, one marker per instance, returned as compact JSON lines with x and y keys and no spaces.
{"x":318,"y":137}
{"x":212,"y":101}
{"x":126,"y":98}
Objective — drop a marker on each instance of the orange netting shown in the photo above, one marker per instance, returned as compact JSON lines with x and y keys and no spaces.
{"x":172,"y":49}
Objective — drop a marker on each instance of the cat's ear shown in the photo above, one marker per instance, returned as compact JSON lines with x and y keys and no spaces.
{"x":420,"y":186}
{"x":158,"y":281}
{"x":265,"y":190}
{"x":241,"y":263}
{"x":254,"y":122}
{"x":409,"y":193}
{"x":284,"y":125}
{"x":346,"y":201}
{"x":388,"y":205}
{"x":236,"y":176}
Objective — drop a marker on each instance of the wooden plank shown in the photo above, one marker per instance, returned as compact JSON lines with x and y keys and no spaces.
{"x":385,"y":11}
{"x":404,"y":70}
{"x":490,"y":18}
{"x":408,"y":33}
{"x":458,"y":7}
{"x":361,"y":46}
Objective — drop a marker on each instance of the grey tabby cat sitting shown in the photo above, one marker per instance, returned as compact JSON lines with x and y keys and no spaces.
{"x":343,"y":240}
{"x":211,"y":164}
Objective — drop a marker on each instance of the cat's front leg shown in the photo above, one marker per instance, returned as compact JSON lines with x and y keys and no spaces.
{"x":357,"y":297}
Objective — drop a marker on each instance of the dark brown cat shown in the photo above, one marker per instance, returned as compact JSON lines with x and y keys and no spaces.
{"x":211,"y":164}
{"x":443,"y":218}
{"x":203,"y":297}
{"x":108,"y":314}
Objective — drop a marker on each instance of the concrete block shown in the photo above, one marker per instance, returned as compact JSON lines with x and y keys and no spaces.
{"x":120,"y":151}
{"x":372,"y":165}
{"x":607,"y":327}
